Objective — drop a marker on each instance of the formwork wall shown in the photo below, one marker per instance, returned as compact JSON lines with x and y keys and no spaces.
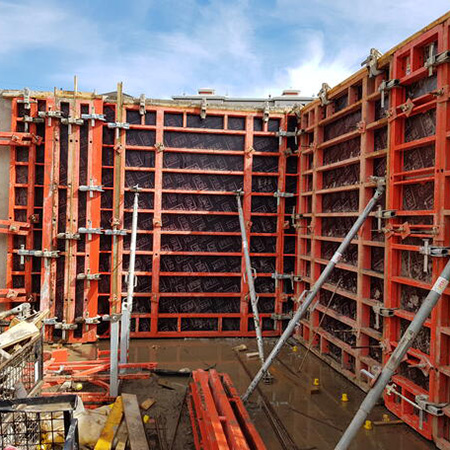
{"x":342,"y":144}
{"x":189,"y":262}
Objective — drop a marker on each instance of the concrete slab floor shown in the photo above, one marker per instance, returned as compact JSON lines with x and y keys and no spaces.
{"x":314,"y":421}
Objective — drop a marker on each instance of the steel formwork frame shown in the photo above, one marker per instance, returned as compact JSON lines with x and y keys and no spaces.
{"x":336,"y":167}
{"x":408,"y":141}
{"x":78,"y":213}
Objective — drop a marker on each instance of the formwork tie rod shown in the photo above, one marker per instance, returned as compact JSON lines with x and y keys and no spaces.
{"x":250,"y":281}
{"x":396,"y":358}
{"x":317,"y":286}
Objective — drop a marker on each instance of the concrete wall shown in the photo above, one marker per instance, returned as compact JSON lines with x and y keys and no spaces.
{"x":5,"y":125}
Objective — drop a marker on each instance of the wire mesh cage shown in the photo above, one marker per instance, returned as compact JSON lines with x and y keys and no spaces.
{"x":23,"y":370}
{"x":39,"y":423}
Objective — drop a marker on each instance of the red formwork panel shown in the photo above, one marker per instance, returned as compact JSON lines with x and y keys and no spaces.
{"x":74,"y":193}
{"x":419,"y":164}
{"x":403,"y":134}
{"x":342,"y":145}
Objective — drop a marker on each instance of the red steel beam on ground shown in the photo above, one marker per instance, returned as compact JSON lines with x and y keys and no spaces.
{"x":218,"y":417}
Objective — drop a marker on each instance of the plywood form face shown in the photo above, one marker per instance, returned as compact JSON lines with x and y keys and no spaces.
{"x":342,"y":144}
{"x":189,"y":263}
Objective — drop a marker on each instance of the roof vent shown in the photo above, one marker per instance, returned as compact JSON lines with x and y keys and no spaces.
{"x":206,"y":91}
{"x":291,"y":92}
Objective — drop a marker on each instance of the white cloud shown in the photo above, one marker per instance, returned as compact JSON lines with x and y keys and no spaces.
{"x":215,"y":43}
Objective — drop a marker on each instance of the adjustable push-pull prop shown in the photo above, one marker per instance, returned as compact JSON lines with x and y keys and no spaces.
{"x":301,"y":311}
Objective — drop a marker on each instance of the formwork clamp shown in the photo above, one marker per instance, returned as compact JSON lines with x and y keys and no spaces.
{"x":30,"y":119}
{"x":115,"y":232}
{"x":93,"y":117}
{"x":381,"y":311}
{"x":91,"y":188}
{"x":90,"y":231}
{"x":65,"y":327}
{"x":285,"y":276}
{"x":434,"y":60}
{"x":22,"y":252}
{"x":387,"y":85}
{"x":279,"y":194}
{"x":323,"y":94}
{"x":49,"y":115}
{"x":68,"y":236}
{"x":71,"y":121}
{"x":119,"y":125}
{"x":435,"y":409}
{"x":435,"y":251}
{"x":286,"y":134}
{"x":142,"y":109}
{"x":203,"y":107}
{"x":385,"y":214}
{"x":26,"y":101}
{"x":278,"y":317}
{"x":89,"y":276}
{"x":371,"y":62}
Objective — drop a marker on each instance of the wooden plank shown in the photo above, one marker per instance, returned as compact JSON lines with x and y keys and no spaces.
{"x":17,"y":334}
{"x":112,"y":424}
{"x":136,"y":432}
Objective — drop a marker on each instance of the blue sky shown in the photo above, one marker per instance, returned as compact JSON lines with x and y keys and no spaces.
{"x":169,"y":47}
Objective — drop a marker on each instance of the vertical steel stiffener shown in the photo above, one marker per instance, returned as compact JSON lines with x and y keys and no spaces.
{"x":250,"y":283}
{"x":317,"y":286}
{"x":127,"y":305}
{"x":397,"y":356}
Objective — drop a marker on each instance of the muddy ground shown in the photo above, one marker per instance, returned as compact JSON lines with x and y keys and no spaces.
{"x":315,"y":421}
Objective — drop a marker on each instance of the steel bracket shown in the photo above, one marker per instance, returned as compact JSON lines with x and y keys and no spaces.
{"x":22,"y":252}
{"x":49,"y":115}
{"x":112,"y":317}
{"x":119,"y":125}
{"x":286,"y":276}
{"x":26,"y":101}
{"x":203,"y":108}
{"x":283,"y":194}
{"x":435,"y":409}
{"x":381,"y":214}
{"x":91,"y":188}
{"x":72,"y":121}
{"x":281,"y":316}
{"x":286,"y":134}
{"x":115,"y":232}
{"x":387,"y":85}
{"x":92,"y":320}
{"x":323,"y":94}
{"x":29,"y":119}
{"x":371,"y":62}
{"x":142,"y":109}
{"x":84,"y":230}
{"x":435,"y":251}
{"x":435,"y":60}
{"x":88,"y":276}
{"x":381,"y":311}
{"x":90,"y":231}
{"x":93,"y":117}
{"x":68,"y":236}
